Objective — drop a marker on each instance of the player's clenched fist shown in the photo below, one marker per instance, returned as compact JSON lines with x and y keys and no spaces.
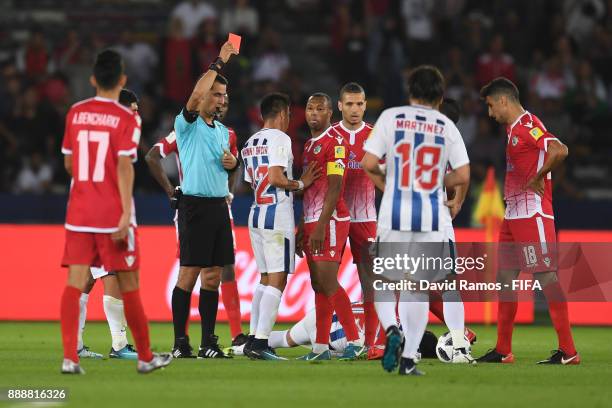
{"x":228,"y":160}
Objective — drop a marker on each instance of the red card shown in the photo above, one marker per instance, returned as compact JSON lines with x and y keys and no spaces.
{"x":235,"y":41}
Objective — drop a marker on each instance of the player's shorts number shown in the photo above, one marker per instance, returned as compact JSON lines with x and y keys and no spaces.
{"x":260,"y":184}
{"x":102,"y":139}
{"x":426,"y":169}
{"x":530,"y":255}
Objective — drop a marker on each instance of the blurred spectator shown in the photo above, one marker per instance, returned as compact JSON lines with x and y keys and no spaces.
{"x":33,"y":58}
{"x":353,"y":56}
{"x":553,"y":82}
{"x":207,"y":43}
{"x":487,"y":149}
{"x":140,"y":60}
{"x":340,"y":27}
{"x":456,"y":73}
{"x":178,"y":64}
{"x":272,"y":62}
{"x":73,"y":58}
{"x":419,"y":28}
{"x":468,"y":120}
{"x":192,"y":13}
{"x":35,"y":176}
{"x":240,"y":18}
{"x":582,"y":16}
{"x":588,"y":99}
{"x":495,"y":63}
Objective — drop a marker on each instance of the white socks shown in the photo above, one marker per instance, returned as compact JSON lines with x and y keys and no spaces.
{"x":454,"y":316}
{"x":386,"y":313}
{"x":259,"y":290}
{"x":82,"y":318}
{"x":413,"y":313}
{"x":268,"y":309}
{"x":113,"y":309}
{"x":278,"y":339}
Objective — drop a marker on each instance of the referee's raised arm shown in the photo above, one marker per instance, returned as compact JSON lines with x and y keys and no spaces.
{"x":202,"y":87}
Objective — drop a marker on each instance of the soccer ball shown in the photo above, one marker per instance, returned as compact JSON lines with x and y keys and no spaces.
{"x":444,"y":348}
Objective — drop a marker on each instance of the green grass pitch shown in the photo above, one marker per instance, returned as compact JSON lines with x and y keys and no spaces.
{"x":30,"y":356}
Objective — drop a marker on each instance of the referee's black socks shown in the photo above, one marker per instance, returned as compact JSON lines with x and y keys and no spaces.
{"x":209,"y":303}
{"x":181,"y":300}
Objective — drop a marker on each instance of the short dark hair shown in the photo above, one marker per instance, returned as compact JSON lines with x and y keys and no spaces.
{"x":221,"y":79}
{"x":351,"y":87}
{"x":127,"y":97}
{"x":108,"y":69}
{"x":451,"y":109}
{"x":272,"y":104}
{"x":500,"y":86}
{"x":323,"y":95}
{"x":426,"y":83}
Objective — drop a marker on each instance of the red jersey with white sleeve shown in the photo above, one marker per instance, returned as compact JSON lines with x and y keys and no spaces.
{"x":525,"y":156}
{"x":167,"y":146}
{"x":98,"y":131}
{"x":359,"y":192}
{"x":329,"y":151}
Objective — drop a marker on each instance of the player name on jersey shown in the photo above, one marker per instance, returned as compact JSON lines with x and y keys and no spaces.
{"x":95,"y":119}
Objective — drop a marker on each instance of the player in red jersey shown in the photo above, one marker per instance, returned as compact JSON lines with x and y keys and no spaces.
{"x":100,"y":143}
{"x":531,"y":154}
{"x":359,"y":194}
{"x":323,"y":232}
{"x":229,"y":288}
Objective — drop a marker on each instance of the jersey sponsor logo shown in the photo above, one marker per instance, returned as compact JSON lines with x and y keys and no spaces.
{"x":339,"y":152}
{"x":336,"y":168}
{"x":515,"y":140}
{"x":317,"y":149}
{"x":536,"y":133}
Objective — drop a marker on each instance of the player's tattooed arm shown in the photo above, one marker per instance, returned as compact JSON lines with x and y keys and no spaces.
{"x":206,"y":81}
{"x":370,"y":164}
{"x":556,"y":152}
{"x":153,"y":159}
{"x":334,"y":188}
{"x":278,"y":179}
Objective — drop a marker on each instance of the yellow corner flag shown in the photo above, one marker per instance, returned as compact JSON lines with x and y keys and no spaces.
{"x":490,"y":207}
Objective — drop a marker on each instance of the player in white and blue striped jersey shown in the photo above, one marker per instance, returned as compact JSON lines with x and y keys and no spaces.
{"x":418,"y":143}
{"x":268,"y":163}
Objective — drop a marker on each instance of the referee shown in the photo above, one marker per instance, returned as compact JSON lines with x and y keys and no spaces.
{"x":205,"y":235}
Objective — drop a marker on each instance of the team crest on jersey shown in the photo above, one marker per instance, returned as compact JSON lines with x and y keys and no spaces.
{"x":129,"y":260}
{"x":317,"y":149}
{"x":547,"y":261}
{"x":332,"y":252}
{"x":515,"y":140}
{"x":536,"y":133}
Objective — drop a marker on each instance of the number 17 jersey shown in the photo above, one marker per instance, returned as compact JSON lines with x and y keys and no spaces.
{"x":418,"y":143}
{"x":272,"y":208}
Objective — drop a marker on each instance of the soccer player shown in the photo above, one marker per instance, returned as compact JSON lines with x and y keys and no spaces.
{"x":112,"y":301}
{"x":304,"y":333}
{"x":229,"y":287}
{"x":529,"y":227}
{"x":359,"y":194}
{"x":268,"y":164}
{"x":418,"y":143}
{"x":322,"y":234}
{"x":100,"y":143}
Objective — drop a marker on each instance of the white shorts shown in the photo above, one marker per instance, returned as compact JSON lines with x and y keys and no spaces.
{"x":274,"y":250}
{"x":98,"y":272}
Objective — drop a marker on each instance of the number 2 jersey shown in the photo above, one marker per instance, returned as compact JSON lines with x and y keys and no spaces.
{"x":272,"y":208}
{"x":98,"y":131}
{"x":418,"y":143}
{"x":525,"y":156}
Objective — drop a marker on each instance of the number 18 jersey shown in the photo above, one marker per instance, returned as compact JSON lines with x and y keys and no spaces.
{"x":418,"y":143}
{"x":272,"y":208}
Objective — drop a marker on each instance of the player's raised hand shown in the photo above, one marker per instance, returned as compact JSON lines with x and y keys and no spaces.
{"x":122,"y":228}
{"x":228,"y":160}
{"x":536,"y":184}
{"x":312,"y":172}
{"x":227,"y":50}
{"x":316,"y":239}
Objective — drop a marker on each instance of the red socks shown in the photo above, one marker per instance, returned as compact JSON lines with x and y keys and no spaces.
{"x":557,"y":307}
{"x":371,"y":323}
{"x":506,"y":312}
{"x":69,"y":318}
{"x":231,"y":301}
{"x":323,"y":313}
{"x":341,"y":303}
{"x":137,"y":321}
{"x":436,"y":307}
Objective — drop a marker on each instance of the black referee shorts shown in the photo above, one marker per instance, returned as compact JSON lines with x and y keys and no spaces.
{"x":205,"y":232}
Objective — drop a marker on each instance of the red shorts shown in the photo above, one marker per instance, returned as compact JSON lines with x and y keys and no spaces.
{"x":336,"y":233}
{"x":95,"y":249}
{"x":528,"y":244}
{"x":361,"y":236}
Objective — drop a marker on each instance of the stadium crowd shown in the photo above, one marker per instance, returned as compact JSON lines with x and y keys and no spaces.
{"x":559,"y":52}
